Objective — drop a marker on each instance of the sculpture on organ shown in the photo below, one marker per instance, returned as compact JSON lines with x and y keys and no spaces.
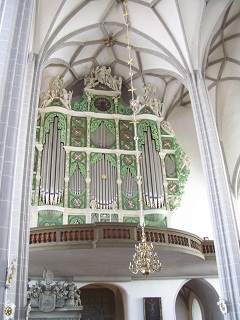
{"x":56,"y":92}
{"x":148,"y":99}
{"x":103,"y":75}
{"x":66,"y":98}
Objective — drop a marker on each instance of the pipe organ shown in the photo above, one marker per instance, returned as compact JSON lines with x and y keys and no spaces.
{"x":86,"y":167}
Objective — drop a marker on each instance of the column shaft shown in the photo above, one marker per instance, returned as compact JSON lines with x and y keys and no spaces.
{"x":16,"y":20}
{"x":225,"y":231}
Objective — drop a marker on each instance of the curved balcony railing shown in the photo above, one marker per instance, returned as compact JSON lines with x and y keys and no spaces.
{"x":119,"y":235}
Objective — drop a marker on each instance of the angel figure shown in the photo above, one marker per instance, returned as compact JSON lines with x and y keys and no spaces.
{"x":66,"y":98}
{"x":45,"y":99}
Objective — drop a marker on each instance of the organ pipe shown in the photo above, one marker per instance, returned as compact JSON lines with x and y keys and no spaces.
{"x":53,"y":163}
{"x":102,"y":137}
{"x":77,"y":183}
{"x":103,"y":184}
{"x":152,"y":185}
{"x":129,"y":186}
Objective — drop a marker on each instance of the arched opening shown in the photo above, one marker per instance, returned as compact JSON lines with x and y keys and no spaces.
{"x":103,"y":302}
{"x":197,"y":300}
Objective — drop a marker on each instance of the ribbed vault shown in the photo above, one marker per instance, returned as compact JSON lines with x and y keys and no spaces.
{"x":169,"y":39}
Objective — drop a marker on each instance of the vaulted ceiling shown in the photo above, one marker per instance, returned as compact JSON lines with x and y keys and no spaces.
{"x":168,"y":38}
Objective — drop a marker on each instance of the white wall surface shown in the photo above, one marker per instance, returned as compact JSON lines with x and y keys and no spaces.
{"x":166,"y":289}
{"x":193,"y":215}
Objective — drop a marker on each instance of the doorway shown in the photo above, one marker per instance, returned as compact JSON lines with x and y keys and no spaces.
{"x":102,"y":302}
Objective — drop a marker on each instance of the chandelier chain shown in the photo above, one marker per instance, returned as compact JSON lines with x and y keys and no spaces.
{"x":145,"y":260}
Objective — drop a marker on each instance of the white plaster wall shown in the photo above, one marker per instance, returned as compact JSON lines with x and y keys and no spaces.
{"x":214,"y":282}
{"x":166,"y":289}
{"x":137,"y":290}
{"x":193,"y":215}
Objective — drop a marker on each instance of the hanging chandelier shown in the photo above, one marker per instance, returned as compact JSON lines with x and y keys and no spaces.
{"x":145,"y":259}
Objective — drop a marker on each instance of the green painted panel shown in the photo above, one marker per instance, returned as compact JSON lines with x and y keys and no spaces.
{"x":131,"y":220}
{"x":128,"y":162}
{"x":114,"y":217}
{"x":37,"y":134}
{"x":155,"y":220}
{"x":78,"y":132}
{"x":104,"y":217}
{"x":130,"y":203}
{"x":76,"y":219}
{"x":146,"y":110}
{"x":170,"y":165}
{"x":173,"y":187}
{"x":94,"y":217}
{"x":167,"y":143}
{"x":126,"y":135}
{"x":78,"y":159}
{"x":77,"y":201}
{"x":49,"y":218}
{"x":126,"y":110}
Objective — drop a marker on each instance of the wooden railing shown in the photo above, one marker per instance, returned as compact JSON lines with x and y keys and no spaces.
{"x":208,"y":247}
{"x":119,"y":234}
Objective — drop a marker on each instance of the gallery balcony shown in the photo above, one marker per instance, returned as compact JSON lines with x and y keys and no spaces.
{"x":109,"y":247}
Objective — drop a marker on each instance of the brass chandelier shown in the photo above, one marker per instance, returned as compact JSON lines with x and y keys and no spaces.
{"x":145,"y":259}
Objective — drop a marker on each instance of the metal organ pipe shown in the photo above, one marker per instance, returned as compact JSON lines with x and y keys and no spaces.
{"x":144,"y":175}
{"x":108,"y":189}
{"x":62,"y":170}
{"x":43,"y":171}
{"x":48,"y":164}
{"x":111,"y":189}
{"x":53,"y":162}
{"x":148,"y":166}
{"x":57,"y":190}
{"x":77,"y":183}
{"x":129,"y":186}
{"x":103,"y":183}
{"x":97,"y":181}
{"x":152,"y":173}
{"x":159,"y":180}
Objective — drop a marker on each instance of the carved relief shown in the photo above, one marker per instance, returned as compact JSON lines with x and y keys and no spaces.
{"x":51,"y":295}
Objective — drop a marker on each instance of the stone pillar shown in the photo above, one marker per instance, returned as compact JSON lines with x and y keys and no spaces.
{"x":16,"y":140}
{"x":225,"y":231}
